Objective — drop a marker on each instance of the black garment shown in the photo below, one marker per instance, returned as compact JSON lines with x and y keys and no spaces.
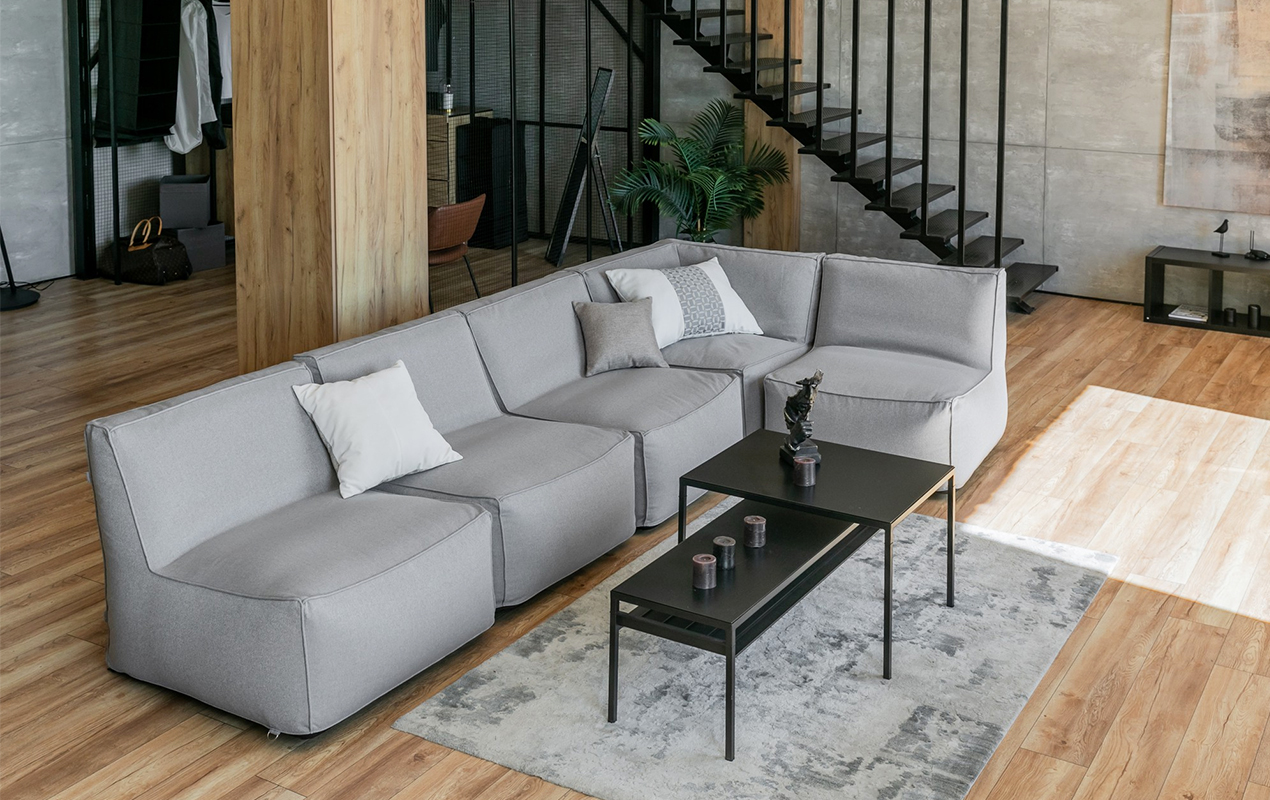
{"x":214,"y":131}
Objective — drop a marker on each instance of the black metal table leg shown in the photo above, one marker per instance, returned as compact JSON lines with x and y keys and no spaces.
{"x":683,"y":510}
{"x":730,"y":646}
{"x":887,"y":593}
{"x":952,"y":538}
{"x":613,"y":632}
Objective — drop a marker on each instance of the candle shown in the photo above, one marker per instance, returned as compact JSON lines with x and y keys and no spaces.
{"x":1254,"y":316}
{"x":1229,"y":316}
{"x":804,"y":471}
{"x":755,"y":531}
{"x":703,"y":575}
{"x":725,"y":551}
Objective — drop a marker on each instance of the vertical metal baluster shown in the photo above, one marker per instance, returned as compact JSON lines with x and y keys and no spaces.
{"x":723,"y":31}
{"x":754,"y":47}
{"x":1005,"y":35}
{"x":515,"y":185}
{"x":630,"y":103}
{"x":855,"y":85}
{"x":789,"y":100}
{"x":961,"y":142}
{"x":820,"y":72}
{"x":692,"y":17}
{"x":890,"y":96}
{"x":926,"y":118}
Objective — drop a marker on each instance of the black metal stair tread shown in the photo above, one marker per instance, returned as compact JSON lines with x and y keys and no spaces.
{"x":982,"y":252}
{"x":805,"y":119}
{"x":842,"y":144}
{"x":944,"y":225}
{"x":1022,"y":277}
{"x":777,"y":91}
{"x":739,"y":37}
{"x":702,"y":13}
{"x":909,"y":199}
{"x":743,"y":66}
{"x":876,"y":170}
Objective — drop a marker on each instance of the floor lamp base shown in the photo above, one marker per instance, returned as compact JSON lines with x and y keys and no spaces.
{"x":11,"y":299}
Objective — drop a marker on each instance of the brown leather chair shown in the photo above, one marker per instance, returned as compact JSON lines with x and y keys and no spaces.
{"x":449,"y":228}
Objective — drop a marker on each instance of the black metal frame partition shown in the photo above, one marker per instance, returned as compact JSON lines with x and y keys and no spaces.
{"x":648,"y":55}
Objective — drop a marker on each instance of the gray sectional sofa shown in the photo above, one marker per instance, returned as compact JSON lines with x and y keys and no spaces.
{"x":236,"y":574}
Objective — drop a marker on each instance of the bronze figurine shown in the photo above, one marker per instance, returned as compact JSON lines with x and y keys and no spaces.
{"x":798,"y":420}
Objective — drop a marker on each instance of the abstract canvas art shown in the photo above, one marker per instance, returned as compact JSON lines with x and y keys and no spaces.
{"x":1217,"y":150}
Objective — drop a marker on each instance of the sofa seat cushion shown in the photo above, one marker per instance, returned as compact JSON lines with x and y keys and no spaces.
{"x":560,"y":495}
{"x":679,"y":418}
{"x":747,"y":356}
{"x":301,"y":618}
{"x":909,"y":404}
{"x":320,"y":545}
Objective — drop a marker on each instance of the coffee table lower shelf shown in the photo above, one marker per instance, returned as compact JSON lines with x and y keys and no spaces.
{"x":714,"y":639}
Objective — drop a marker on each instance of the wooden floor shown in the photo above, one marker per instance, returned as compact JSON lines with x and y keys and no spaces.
{"x":1145,"y":441}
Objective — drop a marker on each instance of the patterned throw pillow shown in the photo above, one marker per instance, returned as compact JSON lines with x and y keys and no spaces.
{"x":688,"y":302}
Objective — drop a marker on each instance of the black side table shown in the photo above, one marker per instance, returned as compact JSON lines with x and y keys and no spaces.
{"x":1154,"y":309}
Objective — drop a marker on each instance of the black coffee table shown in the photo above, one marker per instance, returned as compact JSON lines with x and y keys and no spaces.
{"x":810,"y":532}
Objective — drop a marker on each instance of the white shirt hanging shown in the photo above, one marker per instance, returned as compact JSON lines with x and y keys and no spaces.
{"x":220,"y":9}
{"x":194,"y":84}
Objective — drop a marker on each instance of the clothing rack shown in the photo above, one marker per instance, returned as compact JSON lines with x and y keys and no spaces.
{"x":125,"y":122}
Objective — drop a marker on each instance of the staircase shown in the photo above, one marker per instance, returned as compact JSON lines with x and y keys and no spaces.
{"x":864,"y":159}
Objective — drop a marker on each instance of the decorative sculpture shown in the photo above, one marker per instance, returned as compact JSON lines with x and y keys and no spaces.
{"x":798,"y":443}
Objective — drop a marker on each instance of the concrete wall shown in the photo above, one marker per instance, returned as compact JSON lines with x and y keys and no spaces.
{"x":1087,"y":98}
{"x":34,"y":139}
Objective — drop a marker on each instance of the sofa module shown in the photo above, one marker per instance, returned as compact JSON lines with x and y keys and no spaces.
{"x":249,"y":583}
{"x":779,"y":288}
{"x":531,"y":343}
{"x":559,"y":495}
{"x":914,"y":361}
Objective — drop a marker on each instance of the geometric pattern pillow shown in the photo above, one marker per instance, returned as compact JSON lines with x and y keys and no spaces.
{"x":688,"y":302}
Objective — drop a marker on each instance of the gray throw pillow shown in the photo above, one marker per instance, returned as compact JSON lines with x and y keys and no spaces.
{"x":618,"y":335}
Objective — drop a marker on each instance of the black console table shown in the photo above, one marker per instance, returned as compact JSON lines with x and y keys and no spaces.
{"x":1154,"y":309}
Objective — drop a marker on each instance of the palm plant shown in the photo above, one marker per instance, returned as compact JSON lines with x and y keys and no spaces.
{"x":712,"y":180}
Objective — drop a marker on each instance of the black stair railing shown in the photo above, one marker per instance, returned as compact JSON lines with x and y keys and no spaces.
{"x":1005,"y":30}
{"x":754,"y":48}
{"x":961,"y":134}
{"x":787,"y":68}
{"x":853,"y":151}
{"x":820,"y":72}
{"x":889,"y":174}
{"x":926,"y":33}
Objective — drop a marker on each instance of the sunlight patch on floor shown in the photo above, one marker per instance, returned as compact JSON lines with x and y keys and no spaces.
{"x":1179,"y":492}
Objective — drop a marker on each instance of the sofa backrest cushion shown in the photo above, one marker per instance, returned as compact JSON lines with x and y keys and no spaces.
{"x":204,"y":462}
{"x":529,"y":337}
{"x":440,"y":354}
{"x":893,"y":305}
{"x":779,"y":288}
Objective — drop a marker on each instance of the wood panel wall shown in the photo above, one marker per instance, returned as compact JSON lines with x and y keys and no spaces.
{"x":330,"y":147}
{"x":777,"y":228}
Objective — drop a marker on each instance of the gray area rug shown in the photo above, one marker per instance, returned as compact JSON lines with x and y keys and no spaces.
{"x":815,"y":719}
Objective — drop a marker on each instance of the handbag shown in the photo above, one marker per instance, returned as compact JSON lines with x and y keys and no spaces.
{"x":154,"y":260}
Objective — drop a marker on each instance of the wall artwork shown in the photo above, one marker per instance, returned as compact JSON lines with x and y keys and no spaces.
{"x":1217,"y":151}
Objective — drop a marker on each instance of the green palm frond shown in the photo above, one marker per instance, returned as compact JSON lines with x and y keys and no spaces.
{"x":713,"y":180}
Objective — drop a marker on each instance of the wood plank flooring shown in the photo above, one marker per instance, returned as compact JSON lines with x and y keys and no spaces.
{"x":1145,"y":441}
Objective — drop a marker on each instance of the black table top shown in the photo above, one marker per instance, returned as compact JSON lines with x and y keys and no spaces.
{"x":852,"y":484}
{"x":1203,"y":259}
{"x":795,"y":541}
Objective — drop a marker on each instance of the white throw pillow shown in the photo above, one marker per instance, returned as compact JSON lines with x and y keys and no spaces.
{"x":374,"y":428}
{"x":688,"y":302}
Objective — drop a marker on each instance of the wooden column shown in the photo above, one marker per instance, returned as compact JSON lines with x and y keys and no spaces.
{"x":777,"y":228}
{"x":330,"y":172}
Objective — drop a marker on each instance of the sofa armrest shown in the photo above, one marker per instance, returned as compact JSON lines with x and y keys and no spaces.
{"x":953,"y":313}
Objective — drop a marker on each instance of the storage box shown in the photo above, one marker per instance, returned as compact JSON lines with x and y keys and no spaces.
{"x":185,"y":201}
{"x":206,"y":246}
